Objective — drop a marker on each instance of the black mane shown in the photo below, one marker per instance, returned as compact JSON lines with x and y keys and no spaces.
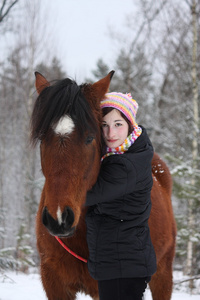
{"x":63,"y":97}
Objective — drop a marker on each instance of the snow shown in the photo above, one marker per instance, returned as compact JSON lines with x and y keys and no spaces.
{"x":28,"y":287}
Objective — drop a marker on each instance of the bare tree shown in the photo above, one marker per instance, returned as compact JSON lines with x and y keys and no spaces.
{"x":195,"y":131}
{"x":19,"y":165}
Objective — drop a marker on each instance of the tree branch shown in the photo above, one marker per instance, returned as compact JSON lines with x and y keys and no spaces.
{"x":4,"y":14}
{"x":187,"y":279}
{"x":145,"y":22}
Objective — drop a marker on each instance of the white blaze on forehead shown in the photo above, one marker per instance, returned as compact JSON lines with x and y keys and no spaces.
{"x":59,"y":215}
{"x":64,"y":126}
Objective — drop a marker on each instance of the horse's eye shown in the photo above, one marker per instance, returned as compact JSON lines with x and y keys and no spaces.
{"x":89,"y":140}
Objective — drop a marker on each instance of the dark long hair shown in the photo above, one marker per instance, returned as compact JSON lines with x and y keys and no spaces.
{"x":105,"y":111}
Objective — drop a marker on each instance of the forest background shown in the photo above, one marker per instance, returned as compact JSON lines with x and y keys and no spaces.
{"x":157,"y":60}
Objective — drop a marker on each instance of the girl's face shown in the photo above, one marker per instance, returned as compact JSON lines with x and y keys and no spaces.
{"x":115,"y":129}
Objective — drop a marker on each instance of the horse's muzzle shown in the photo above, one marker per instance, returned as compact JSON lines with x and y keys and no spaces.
{"x":61,"y":229}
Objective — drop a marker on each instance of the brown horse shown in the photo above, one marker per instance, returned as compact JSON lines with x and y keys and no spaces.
{"x":66,"y":119}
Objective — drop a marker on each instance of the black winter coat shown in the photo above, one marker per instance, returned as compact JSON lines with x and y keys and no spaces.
{"x":117,"y":220}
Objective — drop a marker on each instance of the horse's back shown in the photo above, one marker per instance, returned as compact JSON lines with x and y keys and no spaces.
{"x":162,"y":222}
{"x":163,"y":229}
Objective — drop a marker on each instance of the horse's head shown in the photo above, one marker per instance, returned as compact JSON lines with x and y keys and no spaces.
{"x":66,"y":120}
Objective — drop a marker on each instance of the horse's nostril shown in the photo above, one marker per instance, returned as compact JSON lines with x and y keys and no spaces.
{"x":67,"y":217}
{"x":45,"y":216}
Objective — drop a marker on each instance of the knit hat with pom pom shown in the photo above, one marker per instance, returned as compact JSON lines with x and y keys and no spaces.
{"x":122,"y":102}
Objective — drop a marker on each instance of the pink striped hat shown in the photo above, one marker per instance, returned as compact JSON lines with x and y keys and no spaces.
{"x":122,"y":102}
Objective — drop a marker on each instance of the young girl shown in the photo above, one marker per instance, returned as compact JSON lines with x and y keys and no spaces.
{"x":121,"y":255}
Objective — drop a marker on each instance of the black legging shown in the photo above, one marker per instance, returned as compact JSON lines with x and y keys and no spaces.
{"x":122,"y":288}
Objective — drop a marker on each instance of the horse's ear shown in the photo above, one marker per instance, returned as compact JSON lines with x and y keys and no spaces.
{"x":101,"y":87}
{"x":40,"y":82}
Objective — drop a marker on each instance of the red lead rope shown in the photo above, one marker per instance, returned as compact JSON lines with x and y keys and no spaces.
{"x":70,"y":251}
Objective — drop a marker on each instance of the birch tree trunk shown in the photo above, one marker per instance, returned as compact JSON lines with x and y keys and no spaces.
{"x":195,"y":130}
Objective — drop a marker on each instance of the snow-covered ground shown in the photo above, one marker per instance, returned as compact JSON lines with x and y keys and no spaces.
{"x":28,"y":287}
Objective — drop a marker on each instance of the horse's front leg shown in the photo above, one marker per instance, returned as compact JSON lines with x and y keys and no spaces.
{"x":55,"y":285}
